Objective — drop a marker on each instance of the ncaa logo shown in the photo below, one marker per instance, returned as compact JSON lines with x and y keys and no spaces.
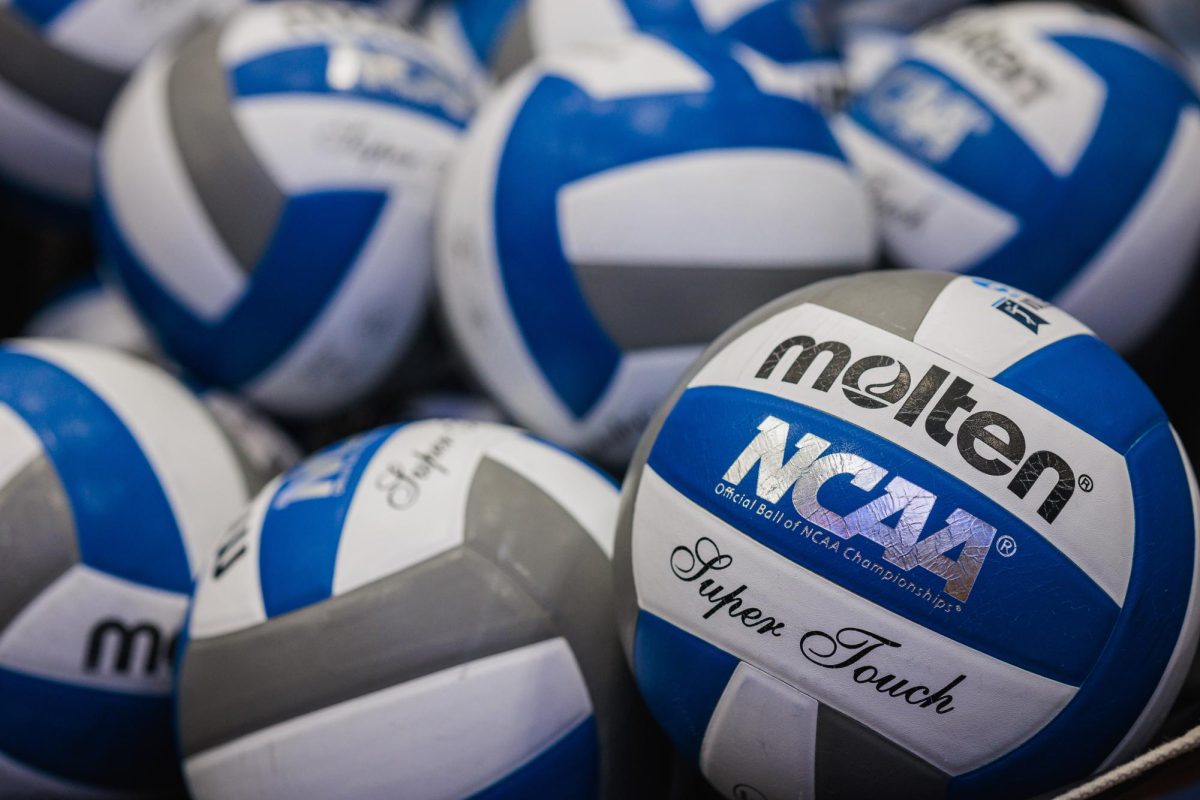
{"x":811,"y":467}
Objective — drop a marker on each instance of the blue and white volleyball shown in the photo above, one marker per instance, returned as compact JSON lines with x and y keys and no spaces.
{"x":614,"y":209}
{"x":114,"y":485}
{"x":489,"y":40}
{"x":61,"y":64}
{"x":421,"y":611}
{"x":1045,"y":146}
{"x":790,"y":34}
{"x":873,"y":35}
{"x":908,"y":535}
{"x":266,"y":199}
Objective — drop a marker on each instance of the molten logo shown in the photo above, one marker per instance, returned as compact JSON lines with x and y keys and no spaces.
{"x":1003,"y":439}
{"x":115,"y":646}
{"x":811,"y":467}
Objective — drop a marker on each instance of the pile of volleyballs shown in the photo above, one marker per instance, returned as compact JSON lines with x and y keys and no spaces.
{"x":277,"y":191}
{"x":912,"y":532}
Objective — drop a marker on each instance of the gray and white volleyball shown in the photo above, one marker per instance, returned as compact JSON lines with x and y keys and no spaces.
{"x":422,"y":611}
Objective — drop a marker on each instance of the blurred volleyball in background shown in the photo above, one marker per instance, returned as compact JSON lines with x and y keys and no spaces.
{"x":911,"y":519}
{"x":61,"y":64}
{"x":114,"y":486}
{"x":267,"y":195}
{"x":789,"y":33}
{"x":612,"y":210}
{"x":488,"y":39}
{"x":90,"y":310}
{"x":1045,"y":146}
{"x":428,"y":607}
{"x":263,"y":450}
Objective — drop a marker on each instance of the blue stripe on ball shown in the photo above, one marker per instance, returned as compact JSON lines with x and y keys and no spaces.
{"x":1127,"y":673}
{"x":777,"y":30}
{"x":650,"y":14}
{"x":40,"y":13}
{"x":1082,"y":381}
{"x":319,"y":237}
{"x":483,"y":24}
{"x":576,"y":356}
{"x":548,"y":149}
{"x":305,"y":70}
{"x":682,"y":702}
{"x":103,"y":738}
{"x":1041,"y":583}
{"x":124,"y":522}
{"x":299,"y":543}
{"x":566,"y":770}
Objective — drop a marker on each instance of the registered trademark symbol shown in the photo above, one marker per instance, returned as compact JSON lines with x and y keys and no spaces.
{"x":1006,"y":546}
{"x":1085,"y":483}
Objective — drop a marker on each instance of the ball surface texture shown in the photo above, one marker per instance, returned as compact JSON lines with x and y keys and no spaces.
{"x":921,"y":522}
{"x":613,"y":210}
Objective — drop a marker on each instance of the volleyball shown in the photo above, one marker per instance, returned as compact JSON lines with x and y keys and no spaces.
{"x":614,"y":209}
{"x":1045,"y":146}
{"x":425,"y":606}
{"x":915,"y":520}
{"x":114,"y":485}
{"x":266,"y":199}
